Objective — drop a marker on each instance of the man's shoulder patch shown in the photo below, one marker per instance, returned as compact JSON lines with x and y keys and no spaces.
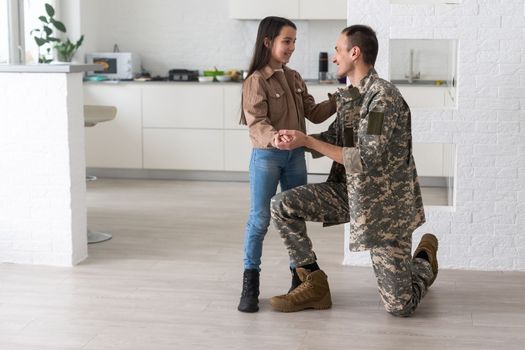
{"x":375,"y":123}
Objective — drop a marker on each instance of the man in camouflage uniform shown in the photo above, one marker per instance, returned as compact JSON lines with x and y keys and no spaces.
{"x":372,"y":185}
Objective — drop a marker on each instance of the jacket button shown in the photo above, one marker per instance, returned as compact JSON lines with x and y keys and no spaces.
{"x":299,"y":90}
{"x":277,"y":95}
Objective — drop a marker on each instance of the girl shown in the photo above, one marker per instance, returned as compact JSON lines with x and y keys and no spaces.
{"x":273,"y":97}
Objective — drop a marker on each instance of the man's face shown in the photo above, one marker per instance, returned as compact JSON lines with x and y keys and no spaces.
{"x":343,"y":56}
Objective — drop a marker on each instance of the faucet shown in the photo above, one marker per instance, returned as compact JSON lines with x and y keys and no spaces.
{"x":411,"y":76}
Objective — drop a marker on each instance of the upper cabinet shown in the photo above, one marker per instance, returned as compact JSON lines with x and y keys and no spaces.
{"x":292,"y":9}
{"x":421,"y":2}
{"x":326,"y":9}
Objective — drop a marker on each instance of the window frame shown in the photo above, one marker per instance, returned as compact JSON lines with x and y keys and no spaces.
{"x":15,"y":31}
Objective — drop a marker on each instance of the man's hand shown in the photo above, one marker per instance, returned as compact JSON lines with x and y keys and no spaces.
{"x":290,"y":139}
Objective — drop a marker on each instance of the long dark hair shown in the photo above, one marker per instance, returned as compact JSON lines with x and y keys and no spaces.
{"x":269,"y":28}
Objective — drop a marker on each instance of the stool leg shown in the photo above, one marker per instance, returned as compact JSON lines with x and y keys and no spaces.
{"x":95,"y":236}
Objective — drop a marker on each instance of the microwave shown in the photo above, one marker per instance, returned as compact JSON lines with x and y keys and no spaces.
{"x":115,"y":65}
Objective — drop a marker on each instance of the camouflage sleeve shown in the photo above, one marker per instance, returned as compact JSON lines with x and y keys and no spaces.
{"x":374,"y":134}
{"x":328,"y":136}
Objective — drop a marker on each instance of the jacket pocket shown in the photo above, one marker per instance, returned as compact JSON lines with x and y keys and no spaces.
{"x":299,"y":96}
{"x":276,"y":103}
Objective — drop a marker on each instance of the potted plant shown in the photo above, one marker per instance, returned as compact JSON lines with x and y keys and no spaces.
{"x":46,"y":40}
{"x":66,"y":49}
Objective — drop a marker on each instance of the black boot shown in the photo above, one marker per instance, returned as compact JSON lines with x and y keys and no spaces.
{"x":296,"y":281}
{"x":250,"y":292}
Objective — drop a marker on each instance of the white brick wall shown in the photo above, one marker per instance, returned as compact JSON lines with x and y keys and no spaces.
{"x":486,"y":228}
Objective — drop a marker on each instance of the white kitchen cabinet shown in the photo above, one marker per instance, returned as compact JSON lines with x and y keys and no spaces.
{"x":116,"y":143}
{"x":292,"y":9}
{"x":326,"y":9}
{"x":237,"y":145}
{"x":449,"y":159}
{"x":422,"y":2}
{"x":184,"y":105}
{"x":320,"y":93}
{"x":147,"y":136}
{"x":183,"y":149}
{"x":428,"y":158}
{"x":258,"y":9}
{"x":237,"y":150}
{"x":232,"y":106}
{"x":424,"y":96}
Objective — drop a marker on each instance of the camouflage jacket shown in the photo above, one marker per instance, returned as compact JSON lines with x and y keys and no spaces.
{"x":373,"y":125}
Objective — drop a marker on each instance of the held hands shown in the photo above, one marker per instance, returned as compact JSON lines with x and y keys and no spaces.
{"x":290,"y":139}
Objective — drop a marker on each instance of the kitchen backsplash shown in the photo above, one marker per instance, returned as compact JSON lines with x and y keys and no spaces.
{"x":193,"y":35}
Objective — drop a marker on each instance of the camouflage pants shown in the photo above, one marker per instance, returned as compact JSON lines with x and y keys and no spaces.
{"x":402,"y":281}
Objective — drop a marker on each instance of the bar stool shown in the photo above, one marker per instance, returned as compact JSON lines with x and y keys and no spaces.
{"x":92,"y":116}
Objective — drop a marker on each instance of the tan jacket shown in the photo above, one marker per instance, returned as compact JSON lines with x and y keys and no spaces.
{"x":269,"y":105}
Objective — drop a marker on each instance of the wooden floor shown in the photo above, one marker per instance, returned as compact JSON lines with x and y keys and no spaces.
{"x":170,"y":279}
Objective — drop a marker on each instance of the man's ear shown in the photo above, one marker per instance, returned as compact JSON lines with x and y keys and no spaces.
{"x":355,"y":52}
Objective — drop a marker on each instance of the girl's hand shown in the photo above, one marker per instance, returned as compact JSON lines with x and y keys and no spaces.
{"x":290,"y":139}
{"x":278,"y":139}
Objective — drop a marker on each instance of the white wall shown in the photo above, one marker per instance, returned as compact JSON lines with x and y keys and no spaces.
{"x":192,"y":34}
{"x":486,"y":228}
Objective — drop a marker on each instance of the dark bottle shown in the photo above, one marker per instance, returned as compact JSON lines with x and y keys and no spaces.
{"x":323,"y":66}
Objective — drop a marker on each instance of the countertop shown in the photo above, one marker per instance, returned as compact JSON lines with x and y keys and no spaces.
{"x":309,"y":82}
{"x":227,"y":83}
{"x":47,"y":68}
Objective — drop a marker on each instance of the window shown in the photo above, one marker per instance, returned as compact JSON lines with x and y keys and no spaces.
{"x":17,"y":19}
{"x":4,"y":33}
{"x":32,"y":10}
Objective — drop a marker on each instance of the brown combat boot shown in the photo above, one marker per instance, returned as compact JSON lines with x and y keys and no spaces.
{"x":313,"y":293}
{"x":429,"y":245}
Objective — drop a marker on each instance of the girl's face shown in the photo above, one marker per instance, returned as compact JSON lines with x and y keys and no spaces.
{"x":282,"y":47}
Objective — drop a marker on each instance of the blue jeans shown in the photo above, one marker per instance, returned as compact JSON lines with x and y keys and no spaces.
{"x":268,"y":168}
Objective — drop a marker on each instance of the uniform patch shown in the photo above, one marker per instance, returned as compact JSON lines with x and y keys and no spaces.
{"x":375,"y":123}
{"x":348,"y":140}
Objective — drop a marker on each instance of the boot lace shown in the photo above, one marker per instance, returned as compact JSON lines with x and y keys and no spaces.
{"x":249,"y":286}
{"x":302,"y":287}
{"x":245,"y":285}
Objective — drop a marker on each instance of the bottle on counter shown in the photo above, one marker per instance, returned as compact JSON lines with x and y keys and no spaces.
{"x":323,"y":66}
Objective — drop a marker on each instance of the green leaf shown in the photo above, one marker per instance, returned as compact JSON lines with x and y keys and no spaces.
{"x":48,"y":30}
{"x":59,"y":25}
{"x":79,"y":42}
{"x":52,"y":39}
{"x":40,"y":41}
{"x":50,"y":10}
{"x":43,"y":19}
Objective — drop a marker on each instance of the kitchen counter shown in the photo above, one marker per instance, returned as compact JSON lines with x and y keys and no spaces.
{"x":213,"y":83}
{"x":42,"y":157}
{"x":47,"y":68}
